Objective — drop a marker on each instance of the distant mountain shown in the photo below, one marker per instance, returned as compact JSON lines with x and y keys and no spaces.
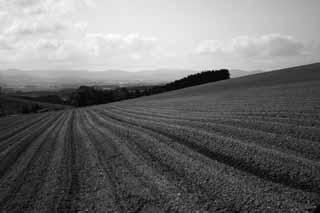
{"x":54,"y":79}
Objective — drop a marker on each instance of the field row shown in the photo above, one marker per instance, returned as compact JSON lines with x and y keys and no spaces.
{"x":130,"y":160}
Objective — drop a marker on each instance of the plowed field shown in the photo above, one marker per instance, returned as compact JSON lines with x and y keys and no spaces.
{"x":229,"y":146}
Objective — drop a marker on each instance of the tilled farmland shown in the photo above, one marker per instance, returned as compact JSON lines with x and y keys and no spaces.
{"x":248,"y":149}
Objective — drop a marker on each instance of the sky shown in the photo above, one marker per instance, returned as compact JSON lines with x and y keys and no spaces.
{"x":152,"y":34}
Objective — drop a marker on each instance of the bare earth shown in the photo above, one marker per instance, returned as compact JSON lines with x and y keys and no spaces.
{"x":246,"y":144}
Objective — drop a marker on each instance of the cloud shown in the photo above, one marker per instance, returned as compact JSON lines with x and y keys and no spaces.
{"x":43,"y":7}
{"x":105,"y":50}
{"x":41,"y":30}
{"x":49,"y":53}
{"x":6,"y":43}
{"x":22,"y":19}
{"x":42,"y":35}
{"x":265,"y":46}
{"x":24,"y":3}
{"x":23,"y":28}
{"x":113,"y":45}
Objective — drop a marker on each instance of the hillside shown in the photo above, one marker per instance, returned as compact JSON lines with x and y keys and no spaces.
{"x":249,"y":144}
{"x":29,"y":80}
{"x":13,"y":105}
{"x":286,"y":76}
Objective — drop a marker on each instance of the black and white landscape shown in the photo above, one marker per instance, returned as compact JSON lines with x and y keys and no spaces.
{"x":159,"y":106}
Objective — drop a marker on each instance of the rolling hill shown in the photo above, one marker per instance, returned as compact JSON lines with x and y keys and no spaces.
{"x":249,"y":144}
{"x":12,"y":105}
{"x":29,"y":80}
{"x":282,"y":77}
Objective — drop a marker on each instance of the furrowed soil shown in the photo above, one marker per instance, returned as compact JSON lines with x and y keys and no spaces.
{"x":250,"y":144}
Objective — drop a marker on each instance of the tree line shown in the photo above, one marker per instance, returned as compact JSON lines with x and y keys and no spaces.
{"x":198,"y":78}
{"x":85,"y":95}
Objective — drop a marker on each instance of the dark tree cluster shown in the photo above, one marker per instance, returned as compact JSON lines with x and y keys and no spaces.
{"x":55,"y":99}
{"x":198,"y":78}
{"x":85,"y":96}
{"x":30,"y":108}
{"x":191,"y":80}
{"x":2,"y":111}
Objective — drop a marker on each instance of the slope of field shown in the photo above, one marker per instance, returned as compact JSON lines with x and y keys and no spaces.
{"x":247,"y":144}
{"x":13,"y":105}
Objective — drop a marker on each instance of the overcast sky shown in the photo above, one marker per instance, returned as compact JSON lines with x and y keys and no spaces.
{"x":150,"y":34}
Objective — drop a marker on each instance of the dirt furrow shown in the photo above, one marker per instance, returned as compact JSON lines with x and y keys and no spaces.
{"x":70,"y":174}
{"x":304,"y":148}
{"x":97,"y":188}
{"x":294,"y":130}
{"x":206,"y":176}
{"x":168,"y":188}
{"x":22,"y":126}
{"x":11,"y":155}
{"x":43,"y":201}
{"x":11,"y":119}
{"x":130,"y":192}
{"x":7,"y":123}
{"x":14,"y":139}
{"x":21,"y":196}
{"x":308,"y":133}
{"x":214,"y":116}
{"x":216,"y":109}
{"x":22,"y":174}
{"x":264,"y":163}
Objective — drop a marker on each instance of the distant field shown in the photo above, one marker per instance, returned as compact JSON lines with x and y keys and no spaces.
{"x":245,"y":144}
{"x":13,"y":105}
